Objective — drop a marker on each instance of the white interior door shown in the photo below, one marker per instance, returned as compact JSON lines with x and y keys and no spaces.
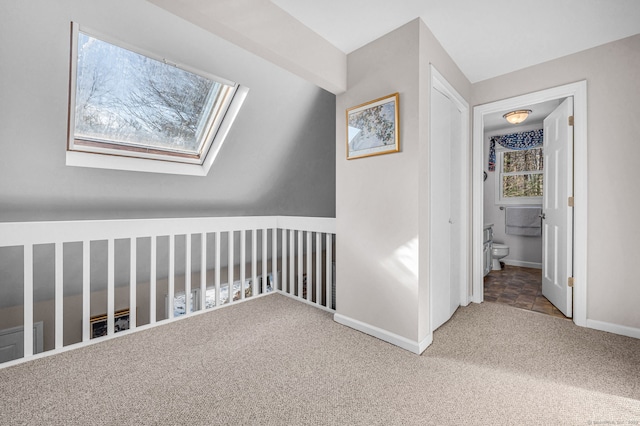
{"x":557,"y":223}
{"x":446,"y":208}
{"x":12,"y":342}
{"x":456,"y":213}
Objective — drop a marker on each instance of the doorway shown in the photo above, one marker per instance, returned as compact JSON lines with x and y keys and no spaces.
{"x":519,"y":287}
{"x":534,"y":225}
{"x":578,"y":247}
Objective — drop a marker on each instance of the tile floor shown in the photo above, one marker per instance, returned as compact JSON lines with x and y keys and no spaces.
{"x":518,"y":287}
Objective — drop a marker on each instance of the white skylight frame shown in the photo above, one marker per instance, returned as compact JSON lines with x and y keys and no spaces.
{"x":83,"y":154}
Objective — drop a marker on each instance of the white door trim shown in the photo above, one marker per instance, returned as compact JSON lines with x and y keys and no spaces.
{"x":579,"y":92}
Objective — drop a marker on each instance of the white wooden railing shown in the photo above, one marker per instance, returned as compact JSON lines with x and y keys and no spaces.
{"x":299,"y":264}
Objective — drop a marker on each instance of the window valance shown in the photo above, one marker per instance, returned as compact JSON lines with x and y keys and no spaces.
{"x":518,"y":141}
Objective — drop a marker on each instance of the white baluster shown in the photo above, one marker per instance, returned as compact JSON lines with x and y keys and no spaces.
{"x":243,"y":261}
{"x":217,"y":274}
{"x":292,"y":262}
{"x":284,"y":261}
{"x":254,"y":262}
{"x":309,"y":270}
{"x":133,"y":283}
{"x":172,"y":275}
{"x":152,"y":280}
{"x":329,"y":274}
{"x":187,"y":274}
{"x":274,"y":259}
{"x":300,"y":253}
{"x":318,"y":268}
{"x":110,"y":285}
{"x":264,"y":261}
{"x":59,"y":296}
{"x":86,"y":291}
{"x":28,"y":300}
{"x":230,"y":265}
{"x":203,"y":270}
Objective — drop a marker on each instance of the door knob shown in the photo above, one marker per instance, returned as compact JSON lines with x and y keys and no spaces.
{"x":542,"y":216}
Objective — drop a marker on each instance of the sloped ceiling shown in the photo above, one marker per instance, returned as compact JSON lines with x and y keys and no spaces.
{"x":485,"y":38}
{"x":264,"y":29}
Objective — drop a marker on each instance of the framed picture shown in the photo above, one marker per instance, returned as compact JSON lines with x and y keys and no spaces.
{"x":99,"y":323}
{"x":372,"y":128}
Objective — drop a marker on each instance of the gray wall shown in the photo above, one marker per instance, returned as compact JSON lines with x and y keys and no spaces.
{"x":377,"y":204}
{"x":383,"y":202}
{"x":279,"y":157}
{"x":613,"y":98}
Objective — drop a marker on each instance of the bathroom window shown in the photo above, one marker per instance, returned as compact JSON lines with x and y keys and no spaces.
{"x":520,"y":176}
{"x":143,"y":111}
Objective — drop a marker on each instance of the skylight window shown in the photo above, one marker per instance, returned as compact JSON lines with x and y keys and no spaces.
{"x":133,"y":106}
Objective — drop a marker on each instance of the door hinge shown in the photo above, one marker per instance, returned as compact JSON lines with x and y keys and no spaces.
{"x":570,"y":202}
{"x":571,"y":120}
{"x":570,"y":282}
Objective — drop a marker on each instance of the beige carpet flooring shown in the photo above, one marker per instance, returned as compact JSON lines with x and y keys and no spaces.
{"x":276,"y":361}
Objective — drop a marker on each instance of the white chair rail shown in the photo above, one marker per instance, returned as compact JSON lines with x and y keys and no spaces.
{"x":218,"y":261}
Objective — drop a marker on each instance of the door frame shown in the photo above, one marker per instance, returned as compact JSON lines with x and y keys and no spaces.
{"x":440,"y":83}
{"x":579,"y":92}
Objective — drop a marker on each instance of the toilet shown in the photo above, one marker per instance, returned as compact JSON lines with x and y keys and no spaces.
{"x":498,"y":252}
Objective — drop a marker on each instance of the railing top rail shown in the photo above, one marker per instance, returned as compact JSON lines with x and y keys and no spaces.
{"x":313,"y":224}
{"x":21,"y":233}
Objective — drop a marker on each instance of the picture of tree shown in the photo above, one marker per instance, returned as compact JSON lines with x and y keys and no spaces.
{"x":375,"y":124}
{"x":372,"y":128}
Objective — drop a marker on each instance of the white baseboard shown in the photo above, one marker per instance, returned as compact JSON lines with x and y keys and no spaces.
{"x":614,"y":328}
{"x":522,"y":263}
{"x":426,"y":342}
{"x":387,"y":336}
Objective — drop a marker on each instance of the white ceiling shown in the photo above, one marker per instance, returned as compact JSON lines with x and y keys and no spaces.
{"x":485,"y":38}
{"x":539,"y":112}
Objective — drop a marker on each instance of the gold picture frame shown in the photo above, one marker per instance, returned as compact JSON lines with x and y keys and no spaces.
{"x":373,"y":127}
{"x":98,"y":323}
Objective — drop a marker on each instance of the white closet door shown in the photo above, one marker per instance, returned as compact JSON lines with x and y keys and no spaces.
{"x":440,"y":211}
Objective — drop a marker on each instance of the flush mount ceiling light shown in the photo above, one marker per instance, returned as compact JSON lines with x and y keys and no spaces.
{"x":517,"y":117}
